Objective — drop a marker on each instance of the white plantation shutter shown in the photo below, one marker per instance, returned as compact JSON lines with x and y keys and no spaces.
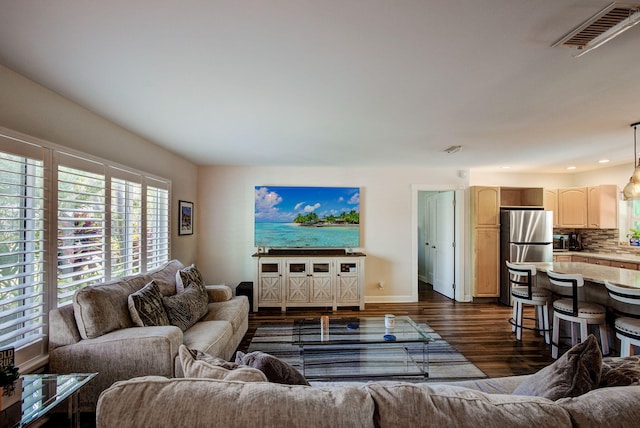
{"x":22,"y":247}
{"x":126,"y":223}
{"x":81,"y":225}
{"x":157,"y":222}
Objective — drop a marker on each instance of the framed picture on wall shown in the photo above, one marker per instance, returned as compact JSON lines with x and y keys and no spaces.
{"x":185,"y":218}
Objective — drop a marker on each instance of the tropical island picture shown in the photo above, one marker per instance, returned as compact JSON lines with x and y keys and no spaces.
{"x":312,"y":217}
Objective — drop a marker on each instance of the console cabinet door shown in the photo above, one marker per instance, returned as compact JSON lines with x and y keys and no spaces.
{"x":270,"y":288}
{"x":321,"y":282}
{"x":297,"y":281}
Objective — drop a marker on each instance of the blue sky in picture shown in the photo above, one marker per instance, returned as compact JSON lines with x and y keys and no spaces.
{"x":281,"y":204}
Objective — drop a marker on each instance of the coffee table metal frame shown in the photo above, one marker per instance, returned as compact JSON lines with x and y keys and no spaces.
{"x":365,"y":339}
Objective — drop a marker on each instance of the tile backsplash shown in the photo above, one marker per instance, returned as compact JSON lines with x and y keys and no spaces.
{"x":601,"y":241}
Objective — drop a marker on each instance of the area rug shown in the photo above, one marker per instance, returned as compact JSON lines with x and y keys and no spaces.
{"x":444,"y":362}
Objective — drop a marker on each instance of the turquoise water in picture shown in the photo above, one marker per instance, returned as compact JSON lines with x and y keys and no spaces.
{"x":291,"y":235}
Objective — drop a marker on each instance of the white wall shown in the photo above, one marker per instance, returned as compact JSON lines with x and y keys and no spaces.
{"x":226,"y":208}
{"x":32,"y":109}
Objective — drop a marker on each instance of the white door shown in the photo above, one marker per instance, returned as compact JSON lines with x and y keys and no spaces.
{"x":430,"y":237}
{"x":444,"y":265}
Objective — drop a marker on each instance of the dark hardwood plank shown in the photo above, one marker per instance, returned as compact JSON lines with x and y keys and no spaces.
{"x":479,"y":331}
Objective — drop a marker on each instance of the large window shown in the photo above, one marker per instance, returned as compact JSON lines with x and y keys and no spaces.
{"x":107,"y":221}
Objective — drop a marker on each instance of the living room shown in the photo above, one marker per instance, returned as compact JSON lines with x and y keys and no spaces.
{"x":222,"y":191}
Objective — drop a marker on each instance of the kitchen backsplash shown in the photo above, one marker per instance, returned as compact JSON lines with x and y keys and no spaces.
{"x":601,"y":241}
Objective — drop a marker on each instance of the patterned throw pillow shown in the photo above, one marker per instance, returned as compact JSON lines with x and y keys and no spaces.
{"x":620,"y":371}
{"x":275,"y":369}
{"x":146,"y":308}
{"x":576,"y":372}
{"x":186,"y":276}
{"x":186,"y":308}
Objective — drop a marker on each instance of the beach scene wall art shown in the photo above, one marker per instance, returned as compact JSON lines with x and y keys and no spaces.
{"x":307,"y":217}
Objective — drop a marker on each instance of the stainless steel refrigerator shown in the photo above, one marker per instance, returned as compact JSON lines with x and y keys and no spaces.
{"x":525,"y":236}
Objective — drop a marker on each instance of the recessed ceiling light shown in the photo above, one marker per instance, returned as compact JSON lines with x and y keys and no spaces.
{"x":571,"y":167}
{"x":506,"y":167}
{"x":603,"y":161}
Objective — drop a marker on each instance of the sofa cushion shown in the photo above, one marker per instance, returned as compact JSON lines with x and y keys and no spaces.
{"x":102,"y":308}
{"x":605,"y":407}
{"x":200,"y":365}
{"x":211,"y":337}
{"x":219,"y":293}
{"x":186,"y":276}
{"x":275,"y":369}
{"x":146,"y":308}
{"x":573,"y":374}
{"x":207,"y":402}
{"x":165,"y":276}
{"x":424,"y":405}
{"x":620,"y":371}
{"x":235,"y":311}
{"x":186,"y":308}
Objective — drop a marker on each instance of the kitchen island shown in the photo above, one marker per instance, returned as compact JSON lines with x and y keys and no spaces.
{"x":594,"y":277}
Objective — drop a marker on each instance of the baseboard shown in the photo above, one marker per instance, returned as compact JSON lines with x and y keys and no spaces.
{"x":389,"y":299}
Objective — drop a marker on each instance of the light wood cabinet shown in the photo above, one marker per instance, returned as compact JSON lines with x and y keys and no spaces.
{"x":486,"y":206}
{"x":550,"y":202}
{"x":602,"y":211}
{"x":562,"y":258}
{"x":580,"y":259}
{"x":487,"y":262}
{"x":521,"y":196}
{"x":601,"y":262}
{"x":624,"y":265}
{"x":299,"y":281}
{"x":572,"y":207}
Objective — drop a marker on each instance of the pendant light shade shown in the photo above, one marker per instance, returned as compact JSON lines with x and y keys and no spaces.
{"x":631,"y":191}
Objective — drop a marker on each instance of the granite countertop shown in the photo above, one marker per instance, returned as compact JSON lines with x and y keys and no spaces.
{"x":594,"y":273}
{"x":632,"y":258}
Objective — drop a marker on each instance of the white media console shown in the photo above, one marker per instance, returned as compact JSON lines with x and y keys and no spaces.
{"x":306,"y":278}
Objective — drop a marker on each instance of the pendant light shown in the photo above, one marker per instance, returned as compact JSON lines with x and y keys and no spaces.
{"x":631,"y":191}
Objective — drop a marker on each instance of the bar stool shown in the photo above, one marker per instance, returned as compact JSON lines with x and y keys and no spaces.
{"x":577,"y":313}
{"x":524,"y":293}
{"x":627,"y":328}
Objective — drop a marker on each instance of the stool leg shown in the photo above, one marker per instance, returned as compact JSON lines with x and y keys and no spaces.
{"x":574,"y":334}
{"x":545,"y":323}
{"x":519,"y":321}
{"x":556,"y":336}
{"x":515,"y":316}
{"x":604,"y":338}
{"x":625,"y":346}
{"x":584,"y":332}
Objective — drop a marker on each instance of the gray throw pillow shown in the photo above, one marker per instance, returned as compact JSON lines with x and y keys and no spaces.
{"x":276,"y":370}
{"x":186,"y":308}
{"x":620,"y":371}
{"x":188,"y":275}
{"x":146,"y":308}
{"x":573,"y":374}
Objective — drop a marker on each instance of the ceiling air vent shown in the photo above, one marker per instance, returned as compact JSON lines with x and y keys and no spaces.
{"x":610,"y":22}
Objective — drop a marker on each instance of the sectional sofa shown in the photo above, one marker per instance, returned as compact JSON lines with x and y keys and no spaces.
{"x":98,"y":334}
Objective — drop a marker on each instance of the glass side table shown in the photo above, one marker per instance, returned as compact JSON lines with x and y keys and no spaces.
{"x":41,"y":393}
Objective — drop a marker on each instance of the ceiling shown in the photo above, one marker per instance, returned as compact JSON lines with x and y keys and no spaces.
{"x":339,"y":82}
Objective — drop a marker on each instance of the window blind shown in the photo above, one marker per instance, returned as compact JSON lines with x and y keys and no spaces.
{"x":157,"y":223}
{"x":126,"y":227}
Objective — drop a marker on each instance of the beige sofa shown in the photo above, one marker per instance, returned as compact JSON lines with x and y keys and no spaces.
{"x":97,"y":334}
{"x":161,"y":402}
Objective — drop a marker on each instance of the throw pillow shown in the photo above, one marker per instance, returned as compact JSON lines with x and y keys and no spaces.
{"x":275,"y":369}
{"x":620,"y":371}
{"x":186,"y":308}
{"x":197,"y":364}
{"x":186,"y":276}
{"x":146,"y":308}
{"x":573,"y":374}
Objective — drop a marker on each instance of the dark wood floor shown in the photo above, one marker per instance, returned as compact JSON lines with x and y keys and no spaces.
{"x":479,"y":331}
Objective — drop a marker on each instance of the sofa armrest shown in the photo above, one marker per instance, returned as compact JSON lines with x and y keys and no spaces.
{"x":118,"y":355}
{"x":219,"y":293}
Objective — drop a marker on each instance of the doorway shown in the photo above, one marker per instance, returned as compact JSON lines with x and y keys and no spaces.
{"x":438,"y":241}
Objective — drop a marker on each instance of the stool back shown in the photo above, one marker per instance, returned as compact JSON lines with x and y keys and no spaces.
{"x":630,"y":296}
{"x":521,"y":275}
{"x":572,"y":280}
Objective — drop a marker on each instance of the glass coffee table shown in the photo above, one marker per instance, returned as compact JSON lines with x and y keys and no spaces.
{"x":361,"y":347}
{"x":42,"y":393}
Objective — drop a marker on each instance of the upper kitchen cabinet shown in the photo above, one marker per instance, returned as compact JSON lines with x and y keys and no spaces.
{"x":594,"y":207}
{"x":572,"y":207}
{"x":602,"y":212}
{"x":521,"y":197}
{"x":550,"y":202}
{"x":485,"y":204}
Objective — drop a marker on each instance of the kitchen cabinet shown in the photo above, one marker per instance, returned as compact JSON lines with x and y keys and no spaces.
{"x":580,"y":259}
{"x":303,"y":281}
{"x":521,"y":197}
{"x":562,"y":258}
{"x":572,"y":207}
{"x":486,"y":206}
{"x":485,"y":241}
{"x":601,"y":262}
{"x":602,"y":203}
{"x":550,"y":203}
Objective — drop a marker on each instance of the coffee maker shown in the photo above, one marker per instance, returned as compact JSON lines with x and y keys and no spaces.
{"x":575,"y":242}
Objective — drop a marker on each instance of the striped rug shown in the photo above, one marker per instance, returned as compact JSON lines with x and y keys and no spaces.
{"x":445,"y":364}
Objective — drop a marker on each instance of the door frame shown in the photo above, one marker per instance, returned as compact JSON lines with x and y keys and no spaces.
{"x":462,"y":293}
